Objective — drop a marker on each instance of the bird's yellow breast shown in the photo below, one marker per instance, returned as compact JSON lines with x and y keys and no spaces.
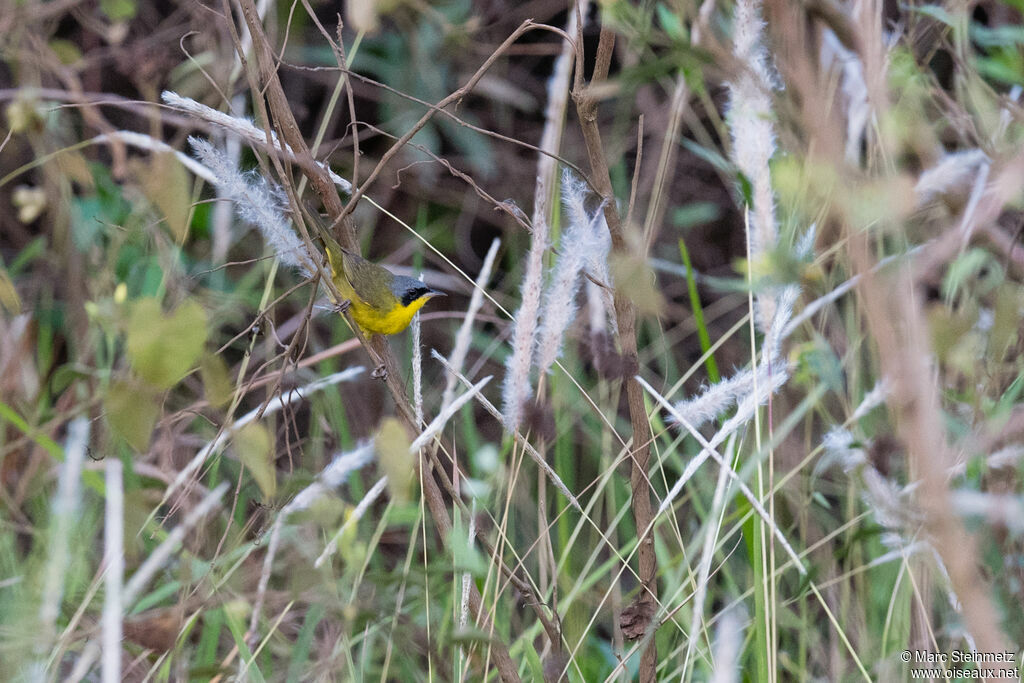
{"x":377,"y":310}
{"x":393,"y":321}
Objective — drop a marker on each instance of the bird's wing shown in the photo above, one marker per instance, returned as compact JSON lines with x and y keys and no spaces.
{"x":364,"y":278}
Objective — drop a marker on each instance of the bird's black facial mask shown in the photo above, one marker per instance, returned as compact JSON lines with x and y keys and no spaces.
{"x":414,"y":294}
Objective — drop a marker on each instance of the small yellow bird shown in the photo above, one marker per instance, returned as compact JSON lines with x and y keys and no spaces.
{"x":380,"y":301}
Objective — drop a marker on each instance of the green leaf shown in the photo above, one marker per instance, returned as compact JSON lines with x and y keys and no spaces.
{"x":1005,"y":65}
{"x":216,"y":379}
{"x":997,"y":36}
{"x":119,"y":10}
{"x":303,"y":642}
{"x":398,"y":463}
{"x":255,"y":450}
{"x":533,"y":659}
{"x":698,"y":315}
{"x":131,"y":411}
{"x":695,"y":213}
{"x":962,"y":271}
{"x":711,"y":156}
{"x":671,"y":22}
{"x":163,"y":347}
{"x":465,"y":556}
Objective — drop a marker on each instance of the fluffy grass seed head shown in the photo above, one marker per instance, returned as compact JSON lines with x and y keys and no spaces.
{"x":258,"y":202}
{"x":753,"y":135}
{"x":515,"y":389}
{"x":583,"y":246}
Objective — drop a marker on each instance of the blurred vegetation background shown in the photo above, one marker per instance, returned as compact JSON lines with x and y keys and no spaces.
{"x":143,"y":323}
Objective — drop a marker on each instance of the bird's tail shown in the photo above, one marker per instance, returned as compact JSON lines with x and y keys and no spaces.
{"x":335,"y":252}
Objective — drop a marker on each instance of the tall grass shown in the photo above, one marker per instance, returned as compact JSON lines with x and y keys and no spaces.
{"x":777,"y":252}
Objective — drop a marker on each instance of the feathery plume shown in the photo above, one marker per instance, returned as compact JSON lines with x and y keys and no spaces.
{"x":951,"y":175}
{"x":783,"y":299}
{"x":242,"y":127}
{"x":716,"y":399}
{"x":598,"y":319}
{"x":871,"y":400}
{"x":744,"y":413}
{"x":113,"y":578}
{"x":465,"y":334}
{"x":889,"y":503}
{"x":855,"y":91}
{"x":64,"y":513}
{"x":259,"y":202}
{"x":560,"y":298}
{"x":753,"y":136}
{"x":516,"y":387}
{"x":999,"y":510}
{"x":840,"y":448}
{"x":151,"y":144}
{"x":728,"y":646}
{"x":1006,"y":457}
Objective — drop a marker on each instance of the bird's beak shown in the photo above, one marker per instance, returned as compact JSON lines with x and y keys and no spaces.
{"x":436,"y":292}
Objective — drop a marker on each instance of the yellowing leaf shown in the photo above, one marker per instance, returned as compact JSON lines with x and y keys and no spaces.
{"x":163,"y":347}
{"x":635,"y":279}
{"x":216,"y":379}
{"x":1009,"y":310}
{"x":138,"y":503}
{"x":74,"y":165}
{"x":22,"y":114}
{"x":166,"y":185}
{"x":351,"y":550}
{"x":131,"y":411}
{"x":948,"y":329}
{"x":9,"y":298}
{"x":885,"y":201}
{"x":255,"y":450}
{"x":398,"y":463}
{"x":66,"y":51}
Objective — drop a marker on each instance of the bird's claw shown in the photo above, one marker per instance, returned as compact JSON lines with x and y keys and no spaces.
{"x":380,"y":372}
{"x":342,"y":306}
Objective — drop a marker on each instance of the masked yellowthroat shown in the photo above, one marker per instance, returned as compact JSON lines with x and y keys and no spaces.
{"x":381,"y":302}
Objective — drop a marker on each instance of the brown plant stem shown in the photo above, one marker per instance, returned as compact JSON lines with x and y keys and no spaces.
{"x":625,"y":313}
